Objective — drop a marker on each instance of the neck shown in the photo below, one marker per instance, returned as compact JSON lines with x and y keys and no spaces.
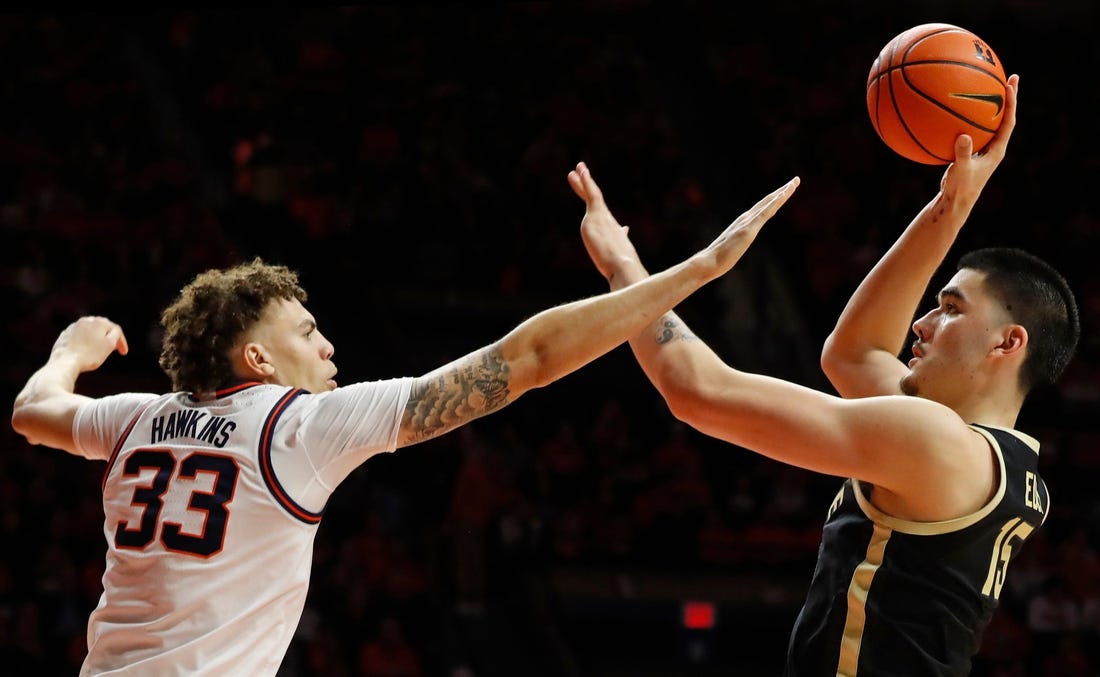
{"x":1002,"y":412}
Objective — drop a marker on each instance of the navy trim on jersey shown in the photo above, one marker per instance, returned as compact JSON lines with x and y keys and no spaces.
{"x":118,"y":444}
{"x":276,"y":489}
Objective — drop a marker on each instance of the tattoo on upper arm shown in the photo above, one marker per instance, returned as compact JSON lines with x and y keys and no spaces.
{"x":672,"y":329}
{"x":473,"y":388}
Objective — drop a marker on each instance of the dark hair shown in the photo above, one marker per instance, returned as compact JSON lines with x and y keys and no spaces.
{"x":210,"y":315}
{"x":1037,"y":297}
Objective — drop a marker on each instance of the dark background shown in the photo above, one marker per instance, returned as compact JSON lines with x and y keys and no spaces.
{"x":410,"y":162}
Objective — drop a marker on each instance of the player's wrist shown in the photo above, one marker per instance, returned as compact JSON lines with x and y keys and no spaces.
{"x":625,"y":270}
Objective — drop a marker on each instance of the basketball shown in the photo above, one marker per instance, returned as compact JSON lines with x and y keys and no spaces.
{"x":931,"y":83}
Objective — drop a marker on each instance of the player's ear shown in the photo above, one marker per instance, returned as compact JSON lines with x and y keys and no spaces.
{"x":255,"y":361}
{"x":1013,"y":339}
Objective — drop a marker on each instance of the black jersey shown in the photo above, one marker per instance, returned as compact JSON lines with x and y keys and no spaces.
{"x":894,"y":597}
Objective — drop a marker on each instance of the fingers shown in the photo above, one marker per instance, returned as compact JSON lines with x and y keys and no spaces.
{"x":111,"y":331}
{"x":778,"y":197}
{"x":740,"y":234}
{"x":582,"y":183}
{"x":998,"y":145}
{"x":964,"y":147}
{"x":755,"y":217}
{"x":1012,"y":94}
{"x":1008,"y":122}
{"x":121,"y":345}
{"x":577,"y":185}
{"x":964,"y":144}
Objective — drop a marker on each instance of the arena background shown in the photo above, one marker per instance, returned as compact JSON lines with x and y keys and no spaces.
{"x":410,"y":161}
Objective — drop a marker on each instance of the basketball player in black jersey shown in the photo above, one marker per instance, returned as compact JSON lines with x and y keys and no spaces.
{"x":940,"y":491}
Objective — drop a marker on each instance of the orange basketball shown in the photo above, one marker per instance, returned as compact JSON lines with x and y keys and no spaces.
{"x":930,"y":84}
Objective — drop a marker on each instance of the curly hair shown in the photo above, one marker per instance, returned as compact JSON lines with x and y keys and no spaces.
{"x":211,"y":313}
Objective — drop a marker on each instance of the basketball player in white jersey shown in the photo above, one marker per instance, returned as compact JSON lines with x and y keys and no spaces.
{"x":213,"y":493}
{"x":940,"y":491}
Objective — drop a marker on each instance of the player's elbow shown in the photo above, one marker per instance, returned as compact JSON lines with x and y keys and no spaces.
{"x":40,"y":422}
{"x":833,"y":358}
{"x":531,"y":367}
{"x":536,"y":368}
{"x":23,"y":421}
{"x":686,"y":386}
{"x":685,"y":401}
{"x":46,"y":422}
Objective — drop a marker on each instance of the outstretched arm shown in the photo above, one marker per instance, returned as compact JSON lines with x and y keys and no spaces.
{"x":860,"y":356}
{"x":45,"y":407}
{"x":904,"y":445}
{"x":560,"y":340}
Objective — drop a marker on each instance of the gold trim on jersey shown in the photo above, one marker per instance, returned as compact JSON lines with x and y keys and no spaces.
{"x":852,"y":639}
{"x":945,"y":526}
{"x":1030,"y":441}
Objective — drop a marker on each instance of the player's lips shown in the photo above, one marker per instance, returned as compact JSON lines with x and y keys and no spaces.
{"x":917,"y":354}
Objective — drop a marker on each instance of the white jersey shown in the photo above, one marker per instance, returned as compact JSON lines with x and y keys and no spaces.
{"x":211,"y":507}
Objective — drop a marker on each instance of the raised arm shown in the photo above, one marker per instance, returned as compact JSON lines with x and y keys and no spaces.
{"x":860,"y":356}
{"x":560,"y":340}
{"x":904,"y":445}
{"x":45,"y":407}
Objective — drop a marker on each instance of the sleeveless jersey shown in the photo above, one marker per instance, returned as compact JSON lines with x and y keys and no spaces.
{"x":211,"y":508}
{"x":894,"y":597}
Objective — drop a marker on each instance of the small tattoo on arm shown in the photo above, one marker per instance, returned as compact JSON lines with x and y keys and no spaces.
{"x":940,"y":210}
{"x":672,"y":329}
{"x":473,"y":388}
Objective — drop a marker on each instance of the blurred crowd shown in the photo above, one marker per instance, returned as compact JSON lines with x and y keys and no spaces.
{"x":410,"y":162}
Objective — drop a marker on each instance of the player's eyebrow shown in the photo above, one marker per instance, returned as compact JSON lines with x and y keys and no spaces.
{"x":952,"y":292}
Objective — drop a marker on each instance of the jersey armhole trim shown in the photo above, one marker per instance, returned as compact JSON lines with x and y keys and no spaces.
{"x":944,"y":526}
{"x":118,"y":445}
{"x":268,"y":471}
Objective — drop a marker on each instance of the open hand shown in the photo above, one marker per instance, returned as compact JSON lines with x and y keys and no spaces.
{"x":605,"y":240}
{"x":734,"y":241}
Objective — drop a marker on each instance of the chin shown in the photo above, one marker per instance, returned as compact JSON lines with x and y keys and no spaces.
{"x":908,"y":385}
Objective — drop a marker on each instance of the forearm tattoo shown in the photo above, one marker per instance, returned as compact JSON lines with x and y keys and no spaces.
{"x":472,"y":389}
{"x":671,"y":329}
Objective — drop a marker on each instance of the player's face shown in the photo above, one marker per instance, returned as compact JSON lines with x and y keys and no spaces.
{"x":953,"y":340}
{"x":299,"y":354}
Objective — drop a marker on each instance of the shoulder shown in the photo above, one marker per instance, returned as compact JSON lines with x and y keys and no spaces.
{"x":1007,"y":437}
{"x":121,"y":405}
{"x":365,"y":398}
